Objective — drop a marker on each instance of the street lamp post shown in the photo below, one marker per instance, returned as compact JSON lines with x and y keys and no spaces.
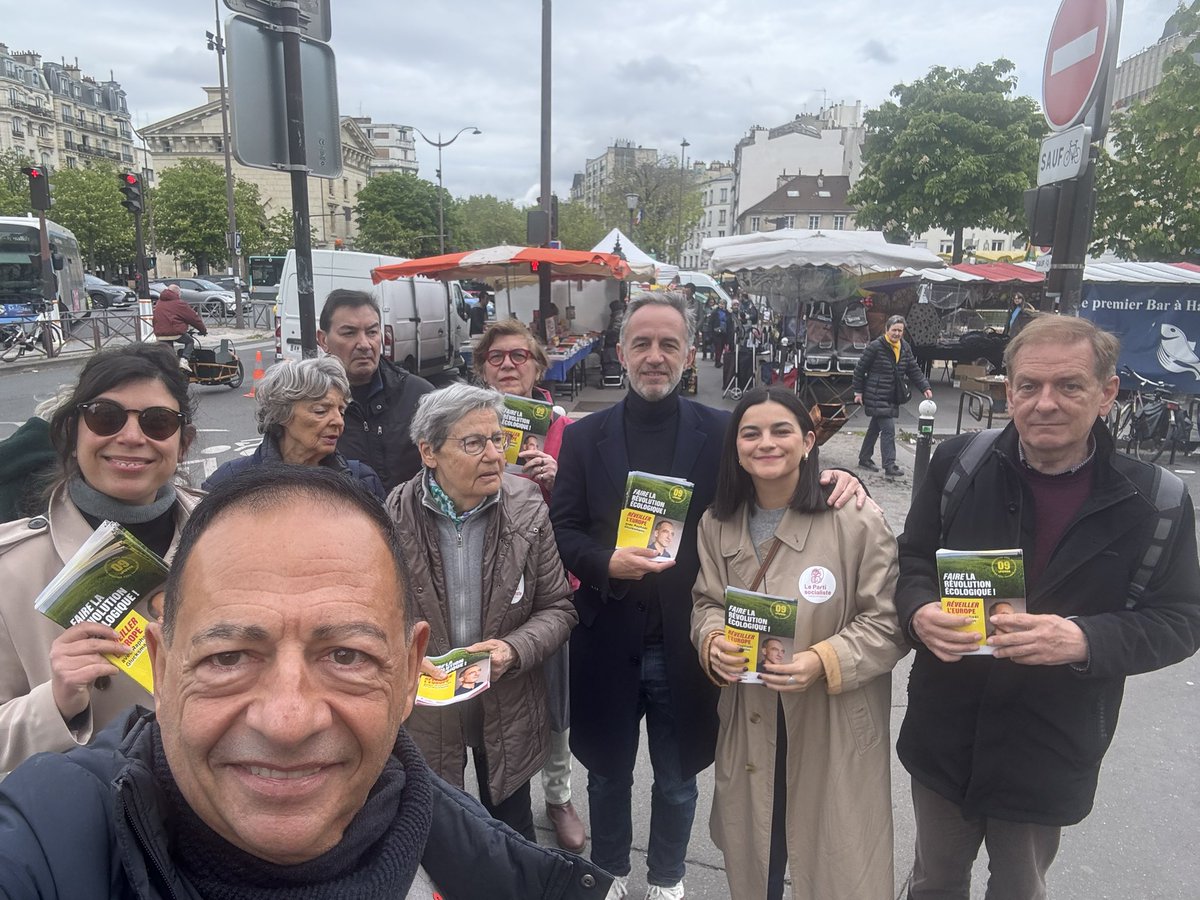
{"x":216,"y":43}
{"x":631,"y":201}
{"x":439,"y":143}
{"x":683,"y":145}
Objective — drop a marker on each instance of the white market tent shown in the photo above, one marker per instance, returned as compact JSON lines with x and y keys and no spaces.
{"x":641,"y":263}
{"x":787,"y":247}
{"x":1113,"y":272}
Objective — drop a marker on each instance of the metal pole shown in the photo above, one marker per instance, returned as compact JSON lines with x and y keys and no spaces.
{"x":544,"y":271}
{"x":219,"y":46}
{"x":683,"y":145}
{"x":289,"y":25}
{"x":441,"y":201}
{"x":439,"y":143}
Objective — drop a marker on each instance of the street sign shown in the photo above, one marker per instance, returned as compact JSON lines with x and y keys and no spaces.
{"x":257,"y":108}
{"x":1064,"y":155}
{"x":314,"y":15}
{"x":1043,"y":262}
{"x":237,"y":243}
{"x":1077,"y":59}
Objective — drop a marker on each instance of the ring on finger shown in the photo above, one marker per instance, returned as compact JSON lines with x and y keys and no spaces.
{"x":791,"y":679}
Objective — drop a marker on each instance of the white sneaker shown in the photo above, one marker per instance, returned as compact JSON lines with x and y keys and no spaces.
{"x":658,"y":892}
{"x":619,"y":889}
{"x":184,"y":364}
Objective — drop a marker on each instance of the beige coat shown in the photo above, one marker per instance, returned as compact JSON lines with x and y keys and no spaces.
{"x":839,"y":812}
{"x":32,"y":552}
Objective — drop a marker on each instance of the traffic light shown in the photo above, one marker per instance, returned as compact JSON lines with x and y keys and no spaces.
{"x":533,"y":266}
{"x":131,"y":187}
{"x":554,"y":217}
{"x":39,"y":187}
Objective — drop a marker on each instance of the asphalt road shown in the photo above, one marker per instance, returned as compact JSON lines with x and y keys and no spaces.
{"x":1139,"y":842}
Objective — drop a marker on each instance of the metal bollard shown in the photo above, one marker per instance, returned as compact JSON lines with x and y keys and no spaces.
{"x":925,"y":412}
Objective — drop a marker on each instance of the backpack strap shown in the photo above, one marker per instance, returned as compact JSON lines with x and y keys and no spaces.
{"x":1166,"y":493}
{"x":966,"y":464}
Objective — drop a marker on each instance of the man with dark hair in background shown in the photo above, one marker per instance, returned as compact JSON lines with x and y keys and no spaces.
{"x":383,"y":395}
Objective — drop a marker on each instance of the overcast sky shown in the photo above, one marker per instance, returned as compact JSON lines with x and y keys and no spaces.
{"x":652,"y":71}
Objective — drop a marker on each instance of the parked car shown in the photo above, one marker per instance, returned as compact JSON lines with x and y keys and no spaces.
{"x":208,"y":297}
{"x":226,"y":282}
{"x":108,"y":296}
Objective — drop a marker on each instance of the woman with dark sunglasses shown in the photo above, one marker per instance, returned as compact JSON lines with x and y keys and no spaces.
{"x":118,"y":439}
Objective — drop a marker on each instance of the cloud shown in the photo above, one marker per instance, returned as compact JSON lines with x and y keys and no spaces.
{"x":654,"y":73}
{"x":875,"y":51}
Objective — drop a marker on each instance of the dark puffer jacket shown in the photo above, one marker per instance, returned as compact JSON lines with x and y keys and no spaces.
{"x":1020,"y":742}
{"x":377,"y":435}
{"x":88,"y":825}
{"x":875,"y":377}
{"x":526,"y":604}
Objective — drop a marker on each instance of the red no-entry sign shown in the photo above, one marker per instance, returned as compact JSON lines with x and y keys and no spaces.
{"x":1075,"y":59}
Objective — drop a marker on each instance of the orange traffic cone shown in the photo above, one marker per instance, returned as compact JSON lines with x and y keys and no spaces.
{"x":259,"y":374}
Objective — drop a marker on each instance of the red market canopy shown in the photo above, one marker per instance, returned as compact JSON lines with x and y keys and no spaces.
{"x":498,"y":262}
{"x":1000,"y":272}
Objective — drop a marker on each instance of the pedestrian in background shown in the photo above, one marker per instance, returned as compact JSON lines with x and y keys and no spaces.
{"x":878,"y":386}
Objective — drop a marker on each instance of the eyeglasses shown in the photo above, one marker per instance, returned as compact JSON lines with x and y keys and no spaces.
{"x":518,"y":357}
{"x":473,"y":444}
{"x":104,"y":418}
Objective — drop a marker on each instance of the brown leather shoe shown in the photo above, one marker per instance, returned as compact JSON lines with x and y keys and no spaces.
{"x":568,"y":829}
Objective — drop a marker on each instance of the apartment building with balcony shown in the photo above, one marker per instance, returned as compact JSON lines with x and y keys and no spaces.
{"x":27,"y":121}
{"x":395,"y":146}
{"x":91,"y":117}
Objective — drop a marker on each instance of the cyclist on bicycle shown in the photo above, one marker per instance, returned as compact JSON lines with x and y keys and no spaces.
{"x":172,"y":318}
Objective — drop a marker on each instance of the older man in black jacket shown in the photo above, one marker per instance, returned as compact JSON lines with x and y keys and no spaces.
{"x":1006,"y":749}
{"x":276,"y":765}
{"x":383,"y":396}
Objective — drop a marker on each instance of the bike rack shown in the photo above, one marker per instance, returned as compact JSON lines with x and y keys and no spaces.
{"x":977,"y":405}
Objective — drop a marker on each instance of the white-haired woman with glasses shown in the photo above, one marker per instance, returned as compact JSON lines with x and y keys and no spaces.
{"x":301,"y":408}
{"x":482,"y":554}
{"x":119,"y":440}
{"x":509,"y":358}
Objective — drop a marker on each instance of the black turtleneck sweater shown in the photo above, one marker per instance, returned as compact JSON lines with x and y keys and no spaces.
{"x":651,"y":427}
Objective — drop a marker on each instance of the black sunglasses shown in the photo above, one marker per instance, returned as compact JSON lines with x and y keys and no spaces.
{"x":104,"y":418}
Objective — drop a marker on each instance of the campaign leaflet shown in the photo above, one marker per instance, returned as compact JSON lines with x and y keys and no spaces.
{"x":980,"y":584}
{"x":655,"y":509}
{"x":467,"y":674}
{"x":763,"y":626}
{"x":106,"y":578}
{"x":525,"y":423}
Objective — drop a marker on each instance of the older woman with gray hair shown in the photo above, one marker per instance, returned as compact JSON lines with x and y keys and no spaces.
{"x":300,"y":416}
{"x":480,"y":548}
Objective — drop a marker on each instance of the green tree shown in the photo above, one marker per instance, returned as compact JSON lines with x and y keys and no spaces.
{"x":87,"y":200}
{"x":14,"y":186}
{"x":488,"y":221}
{"x":668,"y":200}
{"x":190,"y":214}
{"x":1148,"y":195}
{"x":955,"y":150}
{"x":398,"y":216}
{"x":578,"y":227}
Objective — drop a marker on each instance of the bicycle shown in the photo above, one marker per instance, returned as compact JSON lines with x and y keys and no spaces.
{"x":31,"y":331}
{"x":1151,"y":422}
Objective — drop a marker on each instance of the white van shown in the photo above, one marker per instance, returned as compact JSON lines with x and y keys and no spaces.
{"x":706,"y":286}
{"x":424,"y":321}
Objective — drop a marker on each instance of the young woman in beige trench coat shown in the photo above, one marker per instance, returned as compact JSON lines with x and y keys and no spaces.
{"x":822,"y":807}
